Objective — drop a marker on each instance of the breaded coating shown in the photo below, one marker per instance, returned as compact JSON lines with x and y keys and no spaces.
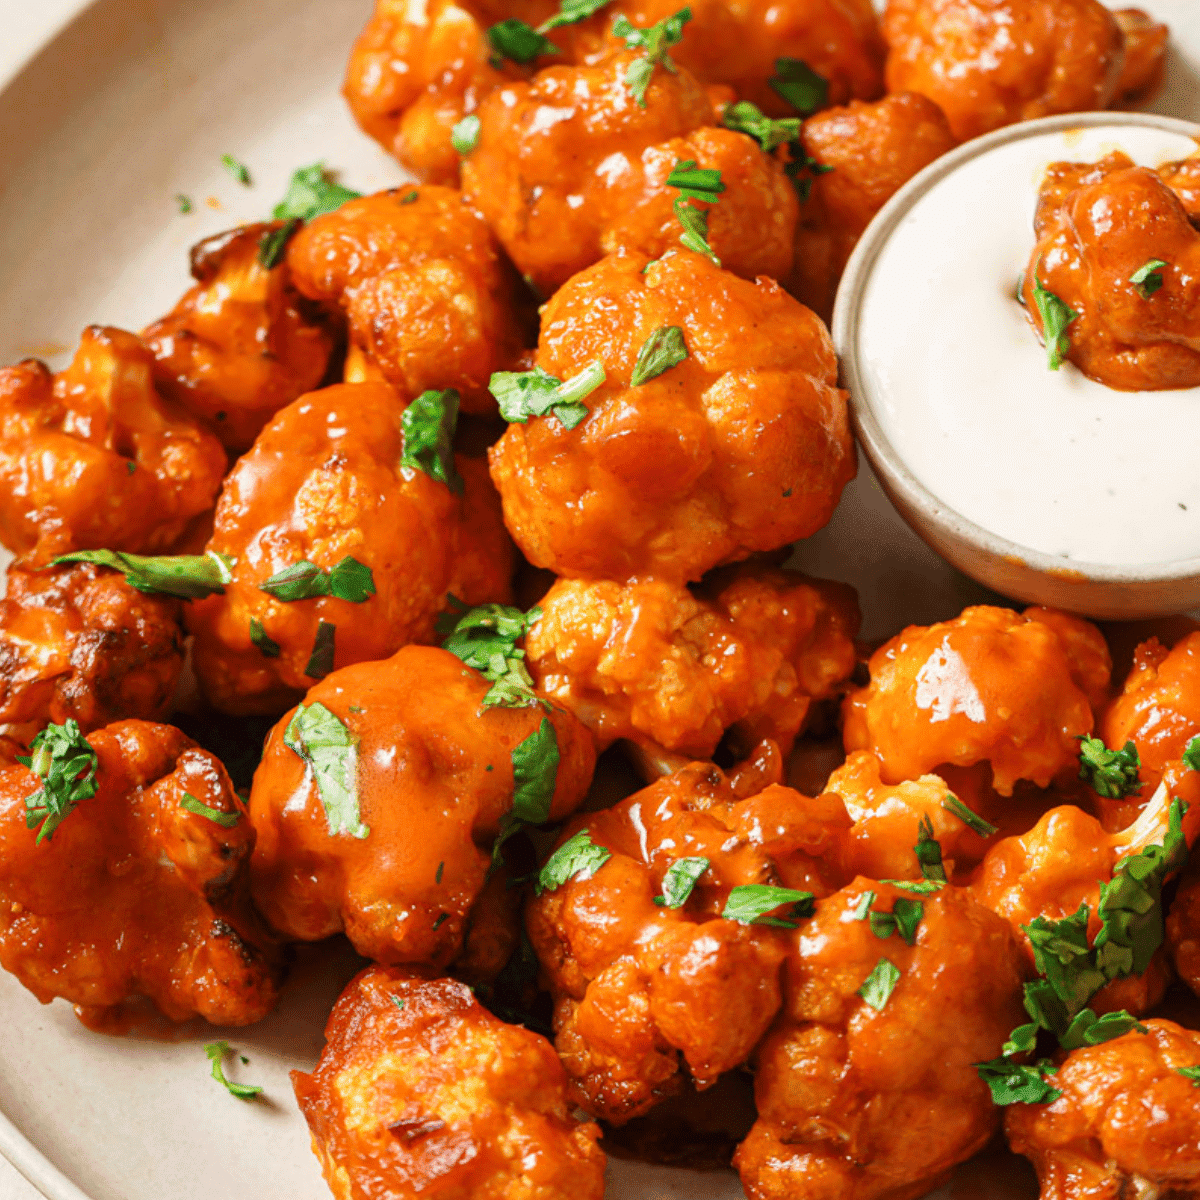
{"x":644,"y":992}
{"x":94,"y":458}
{"x":134,"y":895}
{"x":569,"y":167}
{"x":959,"y":692}
{"x":78,"y":643}
{"x":988,"y":63}
{"x":323,"y":483}
{"x":432,"y":771}
{"x":421,"y":281}
{"x":1097,"y":226}
{"x":1127,"y":1122}
{"x":1145,"y":58}
{"x":652,"y":661}
{"x":870,"y":151}
{"x":858,"y":1101}
{"x":421,"y":1094}
{"x":743,"y":446}
{"x":240,"y":344}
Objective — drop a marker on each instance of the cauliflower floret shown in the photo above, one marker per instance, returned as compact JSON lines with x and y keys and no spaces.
{"x":959,"y":692}
{"x":429,"y":301}
{"x":640,"y":988}
{"x":860,"y":1100}
{"x":1183,"y":929}
{"x":94,"y":458}
{"x":324,"y":483}
{"x":654,"y":661}
{"x":569,"y":167}
{"x":78,"y":643}
{"x":1145,"y":57}
{"x":421,"y":1093}
{"x":1127,"y":1122}
{"x":132,"y":894}
{"x":869,"y":151}
{"x":394,"y":846}
{"x":741,"y":447}
{"x":242,"y":343}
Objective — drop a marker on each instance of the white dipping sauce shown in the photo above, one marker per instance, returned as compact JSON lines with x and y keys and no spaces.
{"x":959,"y":382}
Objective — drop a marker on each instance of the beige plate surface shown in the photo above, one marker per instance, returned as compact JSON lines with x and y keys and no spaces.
{"x":134,"y":102}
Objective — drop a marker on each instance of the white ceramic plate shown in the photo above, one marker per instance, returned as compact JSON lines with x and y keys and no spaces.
{"x":135,"y":101}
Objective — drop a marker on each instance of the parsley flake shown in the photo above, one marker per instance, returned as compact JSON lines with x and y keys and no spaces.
{"x":1087,"y":1029}
{"x":877,"y":988}
{"x":1191,"y":755}
{"x":1056,"y":315}
{"x":410,"y":197}
{"x":803,"y":170}
{"x":189,"y":576}
{"x":273,"y":244}
{"x":519,"y":41}
{"x":769,"y":133}
{"x":535,"y":774}
{"x":464,"y":137}
{"x":347,"y":580}
{"x":216,"y":1052}
{"x":397,"y":1001}
{"x":662,"y":350}
{"x":1012,"y":1083}
{"x":227,"y":820}
{"x":267,"y":645}
{"x":525,"y":394}
{"x":679,"y":880}
{"x":66,"y":763}
{"x":920,"y":887}
{"x":968,"y":816}
{"x":485,"y":638}
{"x":428,"y":425}
{"x":1147,"y":279}
{"x":750,"y":904}
{"x":238,"y":170}
{"x":903,"y":919}
{"x":320,"y":661}
{"x":655,"y":41}
{"x":695,"y":229}
{"x":1110,"y":773}
{"x":183,"y":203}
{"x":1192,"y":1073}
{"x":572,"y":11}
{"x":577,"y":858}
{"x":799,"y":85}
{"x":330,"y":751}
{"x":862,"y":909}
{"x":929,"y":852}
{"x":696,"y":183}
{"x":312,"y":192}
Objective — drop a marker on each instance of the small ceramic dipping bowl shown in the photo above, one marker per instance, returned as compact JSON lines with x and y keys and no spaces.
{"x":1044,"y":485}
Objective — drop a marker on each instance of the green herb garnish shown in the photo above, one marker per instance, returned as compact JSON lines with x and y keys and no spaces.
{"x":799,"y":85}
{"x":464,"y":137}
{"x":485,"y":638}
{"x":183,"y":203}
{"x":535,"y":774}
{"x":525,"y":394}
{"x":518,"y":41}
{"x":1192,"y":1073}
{"x":904,"y":919}
{"x":679,"y":880}
{"x":216,"y":1052}
{"x":662,"y":350}
{"x":929,"y":852}
{"x":750,"y":904}
{"x":66,"y":763}
{"x":330,"y":751}
{"x":572,"y":11}
{"x":1110,"y":773}
{"x":273,"y":244}
{"x":227,"y":820}
{"x":577,"y":858}
{"x":312,"y":193}
{"x":347,"y":580}
{"x":428,"y":425}
{"x":1013,"y":1083}
{"x":189,"y":576}
{"x":266,"y":644}
{"x":1056,"y":315}
{"x":655,"y":41}
{"x":1147,"y":279}
{"x":696,"y":183}
{"x":877,"y":988}
{"x":968,"y":817}
{"x":1191,"y":755}
{"x":695,"y":229}
{"x":769,"y":133}
{"x":238,"y":170}
{"x":320,"y":661}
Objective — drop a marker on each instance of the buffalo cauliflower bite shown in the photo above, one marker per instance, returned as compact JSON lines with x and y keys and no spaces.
{"x":421,"y":1094}
{"x":1097,"y":225}
{"x":429,"y":301}
{"x":655,"y":661}
{"x":430,"y":773}
{"x":240,"y":344}
{"x":645,"y":991}
{"x":988,"y":63}
{"x":132,"y":894}
{"x":861,"y":1100}
{"x":569,"y":167}
{"x":1127,"y":1122}
{"x":1145,"y":57}
{"x":324,"y":483}
{"x":743,"y":446}
{"x":867,"y":153}
{"x":959,"y":692}
{"x":1183,"y":928}
{"x":79,"y":643}
{"x":95,"y":458}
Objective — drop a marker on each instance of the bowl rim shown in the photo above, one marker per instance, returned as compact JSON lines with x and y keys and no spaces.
{"x":875,"y":443}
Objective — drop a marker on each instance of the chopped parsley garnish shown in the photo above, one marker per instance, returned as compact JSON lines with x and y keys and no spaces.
{"x":750,"y":904}
{"x":903,"y":919}
{"x":1109,"y":773}
{"x":273,"y":243}
{"x":216,"y":1052}
{"x":347,"y":580}
{"x":802,"y":169}
{"x":679,"y":880}
{"x":535,"y":774}
{"x":1192,"y":1073}
{"x":1013,"y":1083}
{"x":66,"y":763}
{"x":577,"y":858}
{"x":428,"y":425}
{"x":655,"y":41}
{"x":968,"y":817}
{"x":1087,"y":1029}
{"x":525,"y":394}
{"x":238,"y":170}
{"x":330,"y":751}
{"x":877,"y":988}
{"x":312,"y":193}
{"x":441,"y":920}
{"x":320,"y":661}
{"x":572,"y":11}
{"x":397,"y":1001}
{"x":662,"y":350}
{"x":929,"y":852}
{"x":695,"y":229}
{"x":862,"y":909}
{"x":799,"y":85}
{"x":486,"y":638}
{"x":518,"y":41}
{"x":1191,"y":755}
{"x":1056,"y":315}
{"x":266,"y":644}
{"x":183,"y":203}
{"x":1147,"y":279}
{"x":227,"y":820}
{"x":464,"y":137}
{"x":410,"y":197}
{"x":696,"y":183}
{"x":769,"y":133}
{"x":189,"y":576}
{"x":920,"y":887}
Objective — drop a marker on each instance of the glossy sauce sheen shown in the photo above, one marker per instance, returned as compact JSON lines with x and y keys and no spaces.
{"x":1049,"y":460}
